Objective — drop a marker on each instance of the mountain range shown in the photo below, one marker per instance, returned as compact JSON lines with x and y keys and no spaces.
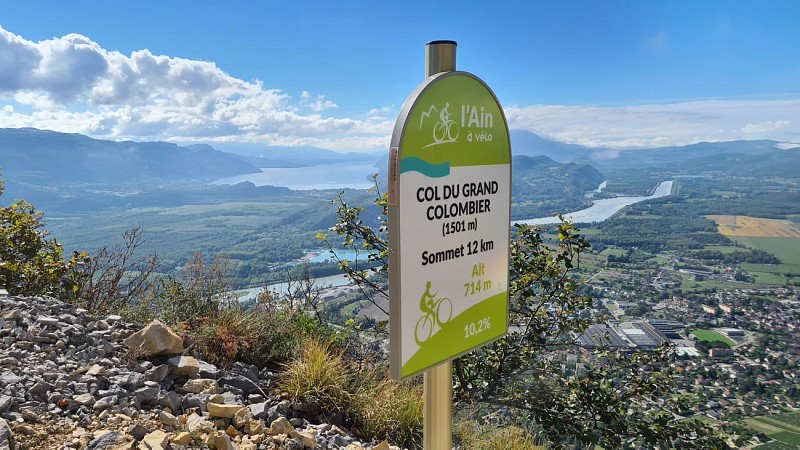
{"x":41,"y":160}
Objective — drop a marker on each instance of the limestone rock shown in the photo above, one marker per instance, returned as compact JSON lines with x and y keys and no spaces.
{"x":281,"y":425}
{"x":184,"y":365}
{"x":112,"y":440}
{"x":202,"y":386}
{"x":223,"y":442}
{"x":97,"y":371}
{"x":196,"y":422}
{"x":223,"y":410}
{"x":157,"y":440}
{"x":138,"y":431}
{"x":6,"y":438}
{"x":182,"y":438}
{"x":5,"y":402}
{"x":154,"y":339}
{"x":309,"y":440}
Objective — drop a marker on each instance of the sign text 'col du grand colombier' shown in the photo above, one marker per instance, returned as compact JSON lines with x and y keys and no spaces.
{"x":449,"y":214}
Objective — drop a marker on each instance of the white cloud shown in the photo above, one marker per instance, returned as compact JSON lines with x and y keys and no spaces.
{"x":317,"y":104}
{"x":765,"y":127}
{"x":661,"y":125}
{"x":71,"y":84}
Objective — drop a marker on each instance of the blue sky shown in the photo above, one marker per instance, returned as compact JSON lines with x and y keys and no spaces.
{"x":619,"y":74}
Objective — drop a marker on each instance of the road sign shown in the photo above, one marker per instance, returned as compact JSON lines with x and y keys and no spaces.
{"x":449,"y":215}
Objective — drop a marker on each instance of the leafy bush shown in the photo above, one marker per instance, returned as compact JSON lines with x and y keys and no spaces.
{"x":31,"y":264}
{"x":262,"y":336}
{"x":619,"y":401}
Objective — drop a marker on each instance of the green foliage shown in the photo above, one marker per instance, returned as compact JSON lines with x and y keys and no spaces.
{"x":319,"y":377}
{"x":31,"y":264}
{"x":376,"y":407}
{"x":201,"y":292}
{"x":615,"y":401}
{"x":261,"y":336}
{"x":389,"y":410}
{"x":471,"y":435}
{"x":369,"y":272}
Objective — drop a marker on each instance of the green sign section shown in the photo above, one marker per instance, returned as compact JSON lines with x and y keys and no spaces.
{"x":449,"y":215}
{"x":471,"y":118}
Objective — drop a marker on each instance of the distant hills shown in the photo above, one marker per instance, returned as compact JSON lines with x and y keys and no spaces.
{"x":53,"y":166}
{"x":52,"y":158}
{"x":540,"y":176}
{"x":529,"y":144}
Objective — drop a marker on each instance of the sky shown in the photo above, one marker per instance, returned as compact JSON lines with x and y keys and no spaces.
{"x":607,"y":74}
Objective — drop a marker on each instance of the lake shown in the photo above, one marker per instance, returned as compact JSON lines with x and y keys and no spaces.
{"x":602,"y":209}
{"x":356,"y":175}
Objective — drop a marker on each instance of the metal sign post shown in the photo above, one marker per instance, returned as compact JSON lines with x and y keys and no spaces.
{"x":437,"y":433}
{"x":449,"y":201}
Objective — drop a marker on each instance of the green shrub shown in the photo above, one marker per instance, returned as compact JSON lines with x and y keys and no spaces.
{"x":469,"y":435}
{"x":318,"y":377}
{"x":389,"y":410}
{"x":31,"y":264}
{"x":262,"y":336}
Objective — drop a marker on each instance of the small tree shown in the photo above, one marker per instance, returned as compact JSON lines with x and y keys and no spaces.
{"x":113,"y":278}
{"x":616,"y":401}
{"x":30,"y":263}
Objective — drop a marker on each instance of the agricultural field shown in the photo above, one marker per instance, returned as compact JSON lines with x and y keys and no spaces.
{"x":776,"y":445}
{"x":792,"y":419}
{"x":754,"y":226}
{"x":784,"y":428}
{"x":786,"y":249}
{"x":711,"y":336}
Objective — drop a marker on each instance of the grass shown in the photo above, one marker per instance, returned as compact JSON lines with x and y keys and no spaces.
{"x":754,"y":226}
{"x":379,"y":408}
{"x":318,"y":377}
{"x":688,"y":284}
{"x":470,"y":435}
{"x":787,"y":437}
{"x":785,"y":249}
{"x":614,"y":251}
{"x":791,"y":419}
{"x":784,"y":428}
{"x":776,"y":445}
{"x":389,"y":410}
{"x":711,"y":336}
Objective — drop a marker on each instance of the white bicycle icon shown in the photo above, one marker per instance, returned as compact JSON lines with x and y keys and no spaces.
{"x":446,"y":130}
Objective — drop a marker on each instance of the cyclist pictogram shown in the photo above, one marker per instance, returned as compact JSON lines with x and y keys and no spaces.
{"x":446,"y":130}
{"x":437,"y":313}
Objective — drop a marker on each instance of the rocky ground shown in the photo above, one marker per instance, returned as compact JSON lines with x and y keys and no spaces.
{"x":71,"y":381}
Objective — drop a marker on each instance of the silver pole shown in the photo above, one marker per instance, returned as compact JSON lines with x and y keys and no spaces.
{"x":440,"y":56}
{"x":437,"y":434}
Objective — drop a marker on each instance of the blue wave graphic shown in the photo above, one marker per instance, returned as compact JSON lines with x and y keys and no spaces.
{"x":414,"y":164}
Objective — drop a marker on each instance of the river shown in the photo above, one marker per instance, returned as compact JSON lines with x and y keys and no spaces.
{"x":602,"y":209}
{"x":322,"y":282}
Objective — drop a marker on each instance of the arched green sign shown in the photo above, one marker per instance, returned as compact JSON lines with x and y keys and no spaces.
{"x":449,"y":216}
